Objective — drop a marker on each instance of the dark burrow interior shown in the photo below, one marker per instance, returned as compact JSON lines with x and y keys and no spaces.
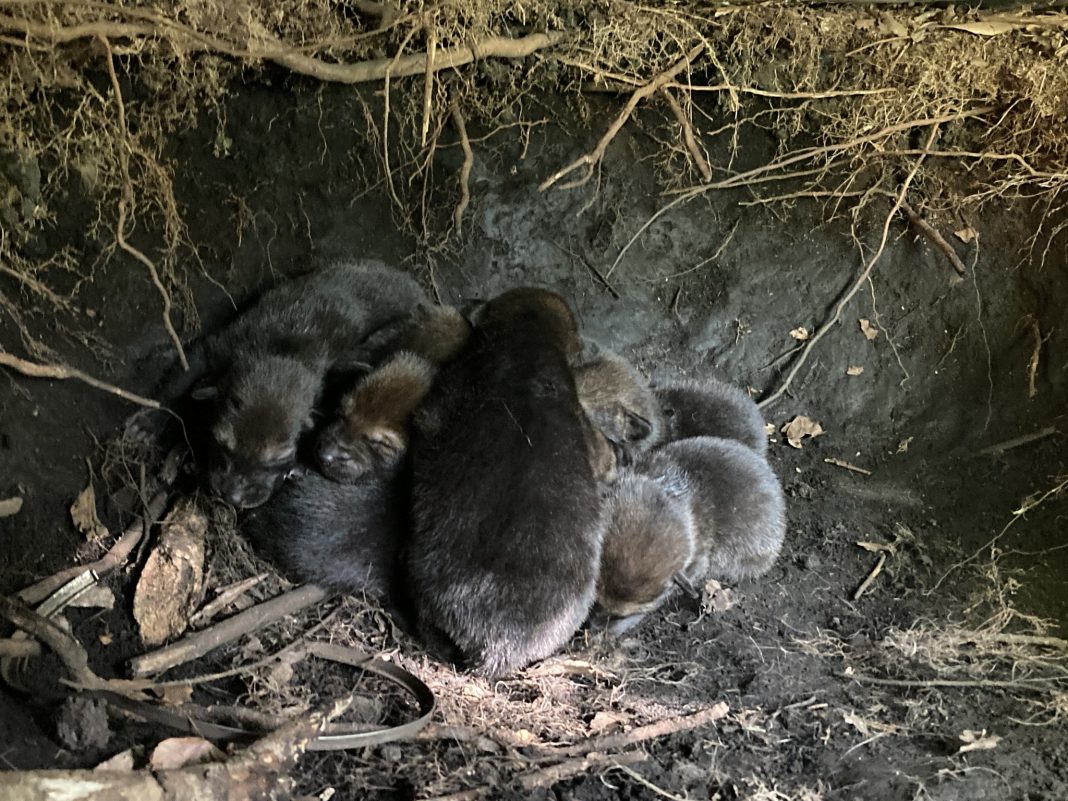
{"x":941,"y":459}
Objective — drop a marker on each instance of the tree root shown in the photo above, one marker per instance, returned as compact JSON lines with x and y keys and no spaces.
{"x":62,"y":372}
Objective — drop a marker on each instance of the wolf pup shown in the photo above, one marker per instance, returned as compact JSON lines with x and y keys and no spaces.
{"x":711,"y":408}
{"x":506,"y":524}
{"x":265,"y":371}
{"x":619,"y":402}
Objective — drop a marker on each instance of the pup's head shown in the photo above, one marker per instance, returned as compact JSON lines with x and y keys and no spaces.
{"x":371,"y":434}
{"x":648,"y":541}
{"x":439,"y":333}
{"x":538,"y":310}
{"x":618,"y":401}
{"x":262,"y":410}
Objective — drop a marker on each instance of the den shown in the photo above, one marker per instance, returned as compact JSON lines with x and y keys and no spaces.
{"x":445,"y":399}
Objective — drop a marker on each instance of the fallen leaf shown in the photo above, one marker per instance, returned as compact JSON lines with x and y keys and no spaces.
{"x":715,"y":598}
{"x":875,"y":547}
{"x":800,"y":334}
{"x":869,"y":330}
{"x":977,"y":741}
{"x":122,"y":762}
{"x":986,"y":28}
{"x":603,"y":721}
{"x":799,"y":428}
{"x":177,"y":752}
{"x":966,"y":234}
{"x":903,"y":446}
{"x":769,"y":429}
{"x":854,"y":370}
{"x":83,"y":513}
{"x":105,"y":638}
{"x":525,"y":737}
{"x":857,"y":722}
{"x":171,"y":584}
{"x":177,"y":694}
{"x":10,"y":506}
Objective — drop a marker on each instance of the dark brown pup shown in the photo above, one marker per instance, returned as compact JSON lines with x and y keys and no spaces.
{"x":506,"y":530}
{"x":620,"y":403}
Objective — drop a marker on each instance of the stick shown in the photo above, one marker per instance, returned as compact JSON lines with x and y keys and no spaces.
{"x":1015,"y":684}
{"x":847,"y":466}
{"x":863,"y":588}
{"x":591,"y":159}
{"x":115,"y":557}
{"x":661,"y":728}
{"x":546,"y":777}
{"x":207,"y":640}
{"x":126,"y":200}
{"x":13,"y":648}
{"x":687,"y":134}
{"x":1016,"y":442}
{"x":225,"y":597}
{"x":861,"y":280}
{"x":61,"y":642}
{"x":465,"y":169}
{"x":1032,"y":363}
{"x":935,"y":236}
{"x":62,"y":372}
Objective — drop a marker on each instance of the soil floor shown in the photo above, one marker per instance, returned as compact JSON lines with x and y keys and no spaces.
{"x":713,"y":288}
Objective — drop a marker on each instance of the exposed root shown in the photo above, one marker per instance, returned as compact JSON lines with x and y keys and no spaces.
{"x":935,"y":236}
{"x":465,"y":170}
{"x":688,"y":135}
{"x":62,"y":371}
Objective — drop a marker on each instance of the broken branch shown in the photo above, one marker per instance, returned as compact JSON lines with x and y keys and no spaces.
{"x":62,"y":372}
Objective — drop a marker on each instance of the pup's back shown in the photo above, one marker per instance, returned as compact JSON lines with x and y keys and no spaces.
{"x":711,"y":408}
{"x":505,"y":540}
{"x":344,"y":537}
{"x":737,"y":502}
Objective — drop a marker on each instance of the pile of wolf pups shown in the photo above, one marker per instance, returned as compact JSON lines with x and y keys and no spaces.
{"x":490,"y":474}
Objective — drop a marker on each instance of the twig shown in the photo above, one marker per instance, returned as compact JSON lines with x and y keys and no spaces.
{"x":1032,"y":363}
{"x":225,"y":597}
{"x":61,"y":642}
{"x":660,"y":791}
{"x":126,"y":199}
{"x":62,"y":372}
{"x":847,"y":466}
{"x":592,"y":159}
{"x":1016,"y":442}
{"x":465,"y":169}
{"x":115,"y":557}
{"x":661,"y":728}
{"x":1031,"y":683}
{"x":861,"y":280}
{"x":207,"y":640}
{"x":935,"y":236}
{"x":687,"y":134}
{"x":546,"y":777}
{"x":863,"y":588}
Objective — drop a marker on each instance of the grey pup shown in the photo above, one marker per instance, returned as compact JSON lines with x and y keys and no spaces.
{"x":371,"y":430}
{"x":713,"y":408}
{"x":345,"y":538}
{"x":619,"y":402}
{"x":710,"y":504}
{"x":265,"y":372}
{"x":506,"y":534}
{"x":649,"y":539}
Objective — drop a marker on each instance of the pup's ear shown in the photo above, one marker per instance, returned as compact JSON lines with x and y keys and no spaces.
{"x":637,"y":427}
{"x":387,"y":443}
{"x":203,"y":392}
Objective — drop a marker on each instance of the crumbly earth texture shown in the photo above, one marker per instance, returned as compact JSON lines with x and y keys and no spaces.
{"x":944,"y":677}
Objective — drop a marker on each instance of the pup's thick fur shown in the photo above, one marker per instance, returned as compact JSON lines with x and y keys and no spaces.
{"x":345,"y":538}
{"x":648,"y":541}
{"x":506,"y":533}
{"x":266,"y":370}
{"x":618,"y":400}
{"x":737,"y":502}
{"x":711,"y":408}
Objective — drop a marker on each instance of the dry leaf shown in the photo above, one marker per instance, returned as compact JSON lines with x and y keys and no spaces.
{"x":854,"y":370}
{"x":83,"y":513}
{"x":525,"y":737}
{"x":869,"y":330}
{"x":171,"y":585}
{"x":991,"y":27}
{"x":177,"y":694}
{"x":800,"y":334}
{"x":715,"y":598}
{"x":875,"y":547}
{"x":96,"y":597}
{"x":769,"y":429}
{"x":10,"y":506}
{"x":977,"y":741}
{"x":966,"y":235}
{"x":799,"y":428}
{"x":603,"y":721}
{"x":122,"y":762}
{"x":903,"y":446}
{"x":177,"y":752}
{"x":105,"y":638}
